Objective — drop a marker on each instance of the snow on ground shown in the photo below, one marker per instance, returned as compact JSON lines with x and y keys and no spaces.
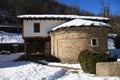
{"x":6,"y":37}
{"x":24,"y":70}
{"x":29,"y":71}
{"x":10,"y":57}
{"x":78,"y":74}
{"x":34,"y":71}
{"x":76,"y":66}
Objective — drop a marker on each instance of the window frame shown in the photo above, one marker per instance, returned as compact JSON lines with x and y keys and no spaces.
{"x":36,"y":27}
{"x":92,"y":43}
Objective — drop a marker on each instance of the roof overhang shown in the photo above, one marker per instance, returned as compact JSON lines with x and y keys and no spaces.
{"x":61,"y":17}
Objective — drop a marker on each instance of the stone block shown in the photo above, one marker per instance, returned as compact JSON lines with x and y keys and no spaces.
{"x":108,"y":69}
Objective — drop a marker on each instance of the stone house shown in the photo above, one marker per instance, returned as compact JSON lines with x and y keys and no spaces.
{"x":63,"y":36}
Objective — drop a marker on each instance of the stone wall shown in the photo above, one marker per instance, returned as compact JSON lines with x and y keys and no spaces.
{"x":67,"y":43}
{"x":108,"y":69}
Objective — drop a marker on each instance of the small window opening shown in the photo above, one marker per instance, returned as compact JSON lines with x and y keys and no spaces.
{"x":36,"y":27}
{"x":94,"y":42}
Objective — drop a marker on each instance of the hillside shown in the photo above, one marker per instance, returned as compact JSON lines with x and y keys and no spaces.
{"x":9,"y":9}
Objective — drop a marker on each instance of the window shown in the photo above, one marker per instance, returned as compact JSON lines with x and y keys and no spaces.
{"x":94,"y":42}
{"x":36,"y":27}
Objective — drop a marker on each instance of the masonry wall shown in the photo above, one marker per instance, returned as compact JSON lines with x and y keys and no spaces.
{"x":108,"y":69}
{"x":67,"y":43}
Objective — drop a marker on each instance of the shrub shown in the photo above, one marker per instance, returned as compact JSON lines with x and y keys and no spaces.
{"x":88,"y":60}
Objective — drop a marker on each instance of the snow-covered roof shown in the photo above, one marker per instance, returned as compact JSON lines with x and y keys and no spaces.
{"x":7,"y":26}
{"x":112,"y":35}
{"x":6,"y":37}
{"x":80,"y":22}
{"x":63,"y":17}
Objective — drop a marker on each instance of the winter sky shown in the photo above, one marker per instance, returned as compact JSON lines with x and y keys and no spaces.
{"x":94,"y":6}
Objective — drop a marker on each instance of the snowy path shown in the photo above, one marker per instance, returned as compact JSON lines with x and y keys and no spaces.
{"x":61,"y":65}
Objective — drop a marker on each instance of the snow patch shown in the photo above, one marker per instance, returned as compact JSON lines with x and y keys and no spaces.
{"x":118,"y":59}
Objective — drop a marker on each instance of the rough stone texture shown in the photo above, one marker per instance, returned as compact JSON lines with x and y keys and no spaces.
{"x":67,"y":43}
{"x":108,"y":69}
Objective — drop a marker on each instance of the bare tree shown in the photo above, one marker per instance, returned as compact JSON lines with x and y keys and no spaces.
{"x":86,"y":13}
{"x":105,"y":9}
